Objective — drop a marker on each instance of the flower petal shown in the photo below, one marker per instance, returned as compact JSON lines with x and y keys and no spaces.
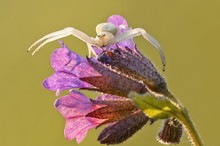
{"x":65,"y":60}
{"x":60,"y":81}
{"x":117,"y":20}
{"x":75,"y":105}
{"x":78,"y":127}
{"x":122,"y":25}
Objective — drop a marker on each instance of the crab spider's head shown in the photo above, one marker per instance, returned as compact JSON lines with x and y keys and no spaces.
{"x":105,"y":34}
{"x":104,"y":39}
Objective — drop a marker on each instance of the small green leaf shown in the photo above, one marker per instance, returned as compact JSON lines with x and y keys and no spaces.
{"x":154,"y":107}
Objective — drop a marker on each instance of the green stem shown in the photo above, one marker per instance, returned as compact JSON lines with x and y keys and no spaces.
{"x":190,"y":128}
{"x":187,"y":122}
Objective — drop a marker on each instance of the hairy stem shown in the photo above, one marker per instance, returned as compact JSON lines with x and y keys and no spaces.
{"x":190,"y":128}
{"x":187,"y":122}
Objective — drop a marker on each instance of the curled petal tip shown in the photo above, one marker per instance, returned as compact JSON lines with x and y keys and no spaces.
{"x":45,"y":84}
{"x":62,"y":44}
{"x":57,"y":103}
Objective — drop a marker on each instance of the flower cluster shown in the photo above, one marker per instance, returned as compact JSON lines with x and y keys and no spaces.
{"x":114,"y":73}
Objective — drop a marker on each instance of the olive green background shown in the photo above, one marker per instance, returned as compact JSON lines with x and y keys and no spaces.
{"x":188,"y":31}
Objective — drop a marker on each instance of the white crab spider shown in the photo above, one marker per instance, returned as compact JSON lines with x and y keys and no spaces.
{"x":107,"y":34}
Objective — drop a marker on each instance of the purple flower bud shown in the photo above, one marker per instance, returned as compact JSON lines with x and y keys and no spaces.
{"x":171,"y":132}
{"x":123,"y":129}
{"x":112,"y":81}
{"x":116,"y":108}
{"x":136,"y":66}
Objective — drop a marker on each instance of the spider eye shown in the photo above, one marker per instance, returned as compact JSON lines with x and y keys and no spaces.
{"x":101,"y":35}
{"x":106,"y":27}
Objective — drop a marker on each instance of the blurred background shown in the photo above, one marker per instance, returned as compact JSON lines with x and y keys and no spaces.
{"x":187,"y":30}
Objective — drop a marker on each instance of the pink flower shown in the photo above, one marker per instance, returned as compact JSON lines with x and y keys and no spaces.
{"x":82,"y":114}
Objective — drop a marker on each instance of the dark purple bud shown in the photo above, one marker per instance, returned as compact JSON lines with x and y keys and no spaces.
{"x":114,"y":110}
{"x":112,"y":80}
{"x":136,"y":66}
{"x":123,"y":129}
{"x":171,"y":132}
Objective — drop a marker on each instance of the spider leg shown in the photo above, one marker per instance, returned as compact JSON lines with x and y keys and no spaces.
{"x":137,"y":32}
{"x":47,"y":41}
{"x":56,"y":33}
{"x":61,"y":34}
{"x":91,"y":51}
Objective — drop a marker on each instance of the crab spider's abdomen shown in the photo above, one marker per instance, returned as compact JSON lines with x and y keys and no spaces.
{"x":106,"y":27}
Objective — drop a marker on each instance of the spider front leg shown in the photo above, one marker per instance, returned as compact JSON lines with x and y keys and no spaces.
{"x":92,"y":51}
{"x":137,"y":32}
{"x":61,"y":34}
